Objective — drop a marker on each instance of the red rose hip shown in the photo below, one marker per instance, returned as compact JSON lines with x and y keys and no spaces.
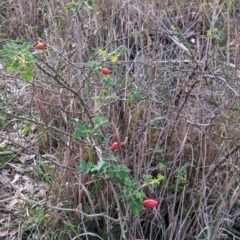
{"x":106,"y":71}
{"x":40,"y":46}
{"x":150,"y":203}
{"x":115,"y":146}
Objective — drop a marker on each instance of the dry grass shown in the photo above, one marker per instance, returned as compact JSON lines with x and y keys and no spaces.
{"x":186,"y":103}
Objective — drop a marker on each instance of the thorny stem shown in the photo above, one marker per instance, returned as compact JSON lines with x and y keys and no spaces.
{"x":119,"y":211}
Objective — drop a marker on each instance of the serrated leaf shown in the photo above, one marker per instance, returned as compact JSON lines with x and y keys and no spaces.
{"x":84,"y":167}
{"x":83,"y":131}
{"x":136,"y":207}
{"x":147,"y":177}
{"x":101,"y":165}
{"x":94,"y":65}
{"x":100,"y":122}
{"x":108,"y":81}
{"x":160,"y":177}
{"x":129,"y":182}
{"x":26,"y":76}
{"x":121,"y":50}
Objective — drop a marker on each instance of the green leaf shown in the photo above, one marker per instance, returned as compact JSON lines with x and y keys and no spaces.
{"x":154,"y":183}
{"x":181,"y":179}
{"x":84,"y":167}
{"x":209,"y":33}
{"x":10,"y":70}
{"x":136,"y":207}
{"x":122,"y":168}
{"x":118,"y":177}
{"x":90,"y":3}
{"x":101,"y":165}
{"x":26,"y":76}
{"x":136,"y":92}
{"x":107,"y":157}
{"x":162,"y":166}
{"x":147,"y":177}
{"x":114,"y":59}
{"x":182,"y":171}
{"x":108,"y":81}
{"x":26,"y":129}
{"x":100,"y":122}
{"x":74,"y":120}
{"x":102,"y":53}
{"x":94,"y":65}
{"x":140,"y":195}
{"x":103,"y":93}
{"x":71,"y":6}
{"x":160,"y":177}
{"x":121,"y":194}
{"x":100,"y":137}
{"x":83,"y":131}
{"x":114,"y":96}
{"x":119,"y":174}
{"x":159,"y":150}
{"x":121,"y":50}
{"x":29,"y":77}
{"x":130,"y":182}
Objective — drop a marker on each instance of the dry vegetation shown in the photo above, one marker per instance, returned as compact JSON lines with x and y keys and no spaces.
{"x":176,"y":99}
